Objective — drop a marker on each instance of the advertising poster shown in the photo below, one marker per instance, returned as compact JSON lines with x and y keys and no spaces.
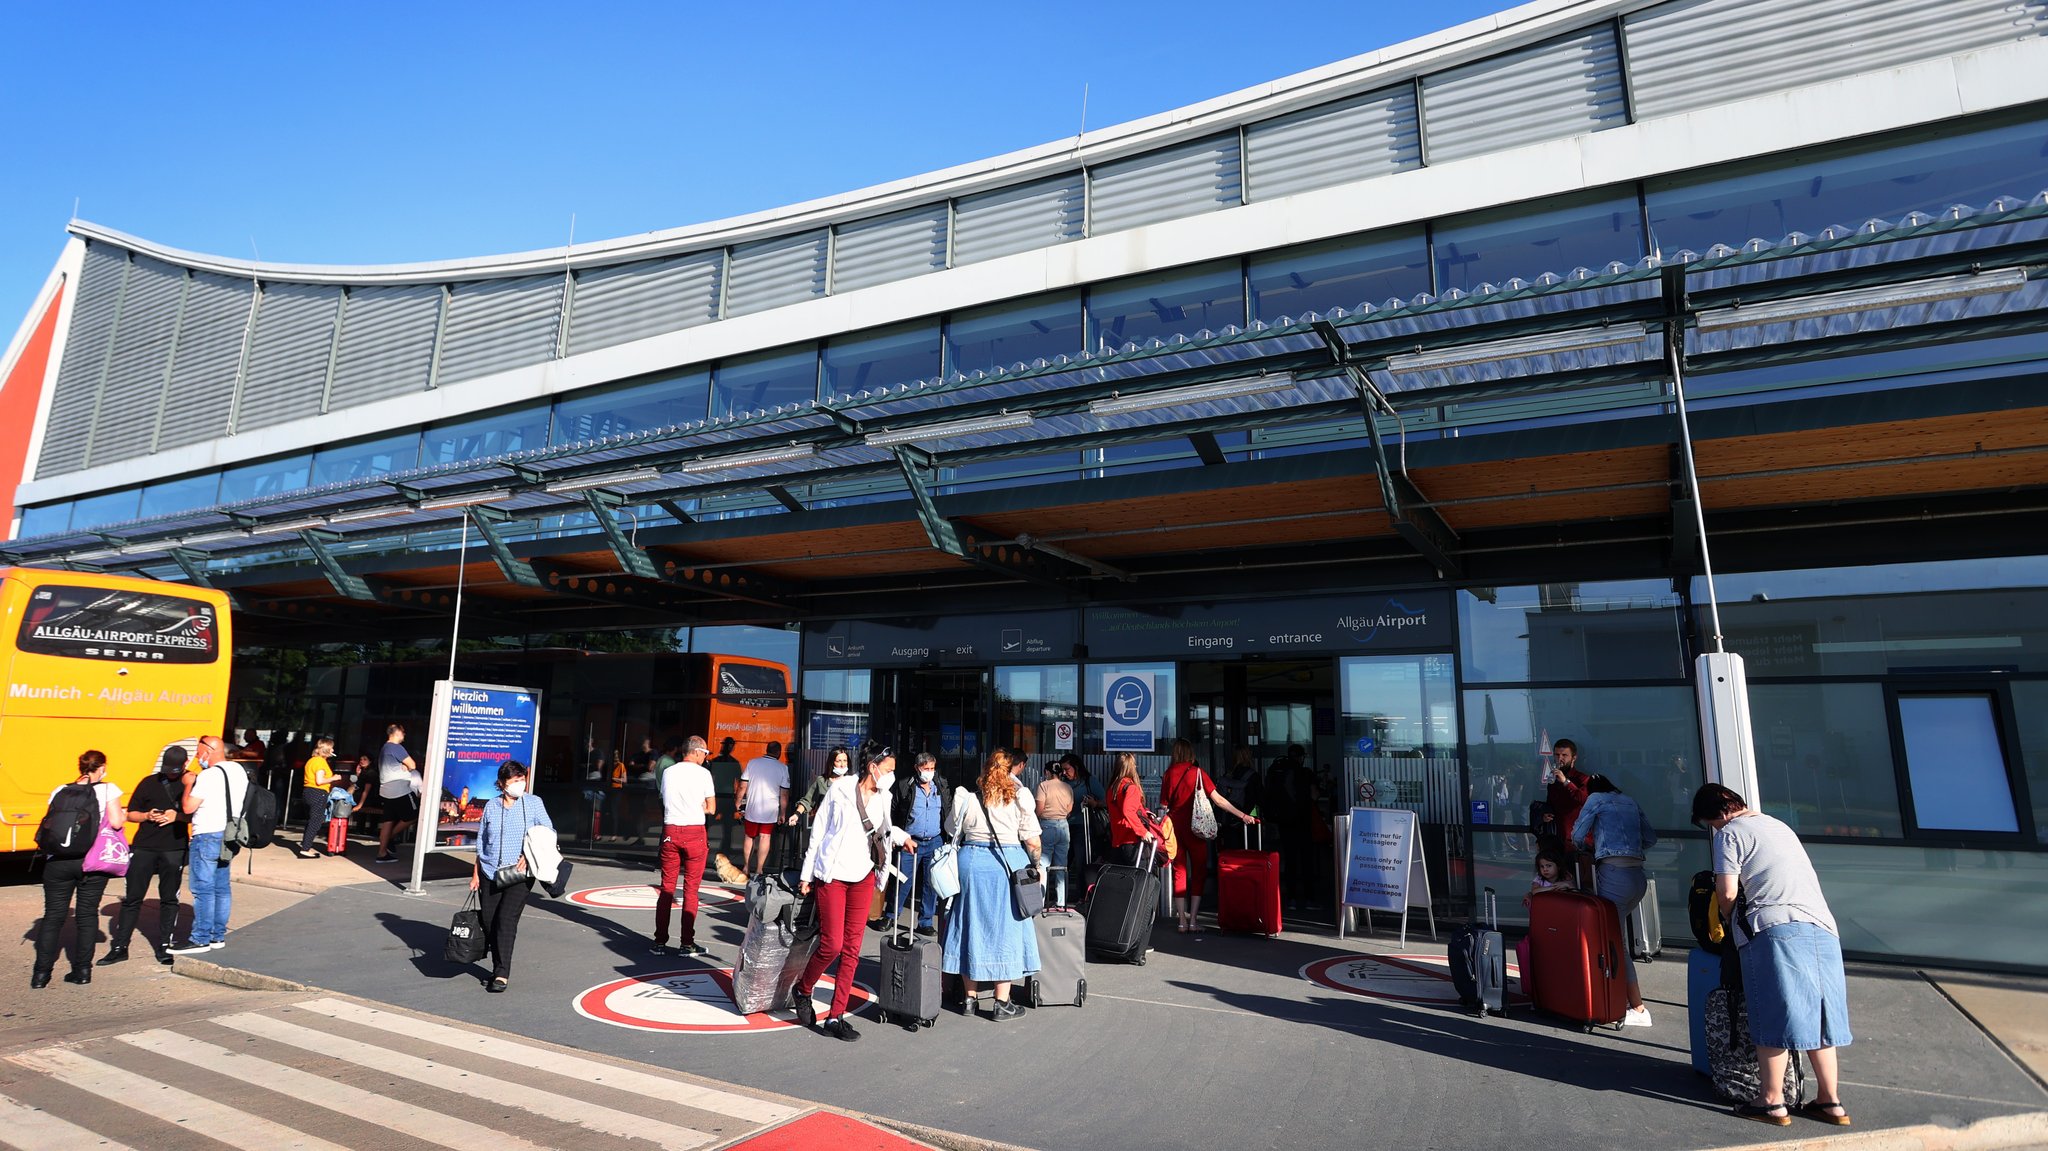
{"x":486,"y":725}
{"x":1130,"y":712}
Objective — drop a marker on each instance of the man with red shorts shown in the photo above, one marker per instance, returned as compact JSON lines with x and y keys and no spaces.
{"x":763,"y":802}
{"x":687,"y":797}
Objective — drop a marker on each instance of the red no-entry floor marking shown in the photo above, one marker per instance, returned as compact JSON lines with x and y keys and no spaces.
{"x":823,"y":1129}
{"x":1401,"y":978}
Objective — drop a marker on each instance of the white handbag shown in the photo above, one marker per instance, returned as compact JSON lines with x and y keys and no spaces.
{"x":1202,"y":816}
{"x":945,"y":869}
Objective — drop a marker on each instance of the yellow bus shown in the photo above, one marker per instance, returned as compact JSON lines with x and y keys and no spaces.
{"x":125,"y":665}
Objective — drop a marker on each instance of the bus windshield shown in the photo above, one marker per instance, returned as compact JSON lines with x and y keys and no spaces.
{"x":118,"y":624}
{"x":752,"y":685}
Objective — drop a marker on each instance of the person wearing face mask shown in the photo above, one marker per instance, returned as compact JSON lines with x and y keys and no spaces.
{"x":159,"y":854}
{"x":83,"y":812}
{"x":837,"y":765}
{"x":852,"y":840}
{"x":922,"y":807}
{"x":499,"y":873}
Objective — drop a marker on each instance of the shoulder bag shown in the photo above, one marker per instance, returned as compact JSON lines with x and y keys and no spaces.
{"x":1202,"y":813}
{"x":109,"y":853}
{"x":1027,"y":887}
{"x":517,"y":873}
{"x":945,"y":866}
{"x":466,"y":943}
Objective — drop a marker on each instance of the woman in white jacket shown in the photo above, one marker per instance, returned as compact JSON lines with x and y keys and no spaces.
{"x":850,"y":842}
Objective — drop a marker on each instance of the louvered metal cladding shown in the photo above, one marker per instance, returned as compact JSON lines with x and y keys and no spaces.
{"x":95,"y":299}
{"x":1696,"y":53}
{"x":287,"y":373}
{"x":775,"y":272}
{"x":1559,"y":88}
{"x":889,"y":248}
{"x":387,"y":343}
{"x":634,"y":301}
{"x":1373,"y":135}
{"x":1008,"y":220}
{"x":202,"y":390}
{"x":1187,"y":180}
{"x":124,"y":420}
{"x":499,"y":324}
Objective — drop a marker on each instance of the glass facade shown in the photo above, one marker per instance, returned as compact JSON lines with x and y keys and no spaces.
{"x":1492,"y":247}
{"x":366,"y":458}
{"x":1629,"y":630}
{"x":880,"y":359}
{"x":752,"y":383}
{"x":1181,"y":302}
{"x":994,"y":338}
{"x":639,"y":407}
{"x":513,"y":430}
{"x":1342,"y":274}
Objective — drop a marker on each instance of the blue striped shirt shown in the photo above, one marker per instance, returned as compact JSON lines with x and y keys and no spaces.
{"x":501,"y":833}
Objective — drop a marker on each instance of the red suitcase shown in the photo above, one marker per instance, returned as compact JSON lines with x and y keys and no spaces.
{"x":1248,"y":888}
{"x":1578,"y":952}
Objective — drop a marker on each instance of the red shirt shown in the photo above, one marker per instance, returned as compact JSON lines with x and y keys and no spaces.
{"x":1177,"y":791}
{"x":1128,"y":822}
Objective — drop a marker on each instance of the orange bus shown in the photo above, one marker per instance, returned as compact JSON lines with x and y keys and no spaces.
{"x":128,"y":666}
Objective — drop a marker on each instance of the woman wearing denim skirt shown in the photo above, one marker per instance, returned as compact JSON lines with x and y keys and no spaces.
{"x":1790,"y":950}
{"x":996,"y":825}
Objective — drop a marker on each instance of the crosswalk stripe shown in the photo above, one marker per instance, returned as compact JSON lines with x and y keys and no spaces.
{"x":541,"y":1059}
{"x":306,"y":1087}
{"x":507,"y":1092}
{"x":215,"y":1120}
{"x":31,"y":1129}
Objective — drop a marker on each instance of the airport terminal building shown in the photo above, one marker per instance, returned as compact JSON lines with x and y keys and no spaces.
{"x":1375,"y":409}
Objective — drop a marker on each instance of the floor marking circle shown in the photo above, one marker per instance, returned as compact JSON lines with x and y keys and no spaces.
{"x":1401,"y":978}
{"x":694,"y":1001}
{"x":641,"y":896}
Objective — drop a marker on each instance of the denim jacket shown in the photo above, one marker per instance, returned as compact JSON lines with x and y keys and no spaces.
{"x":1614,"y":825}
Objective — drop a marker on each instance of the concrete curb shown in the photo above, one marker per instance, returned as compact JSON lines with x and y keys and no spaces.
{"x":206,"y":972}
{"x":1998,"y":1133}
{"x":935,"y":1137}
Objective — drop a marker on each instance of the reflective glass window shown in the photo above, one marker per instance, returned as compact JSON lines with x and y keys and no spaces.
{"x":1400,"y":734}
{"x":368,"y":458}
{"x":46,"y":519}
{"x":1180,"y":302}
{"x":2030,"y":713}
{"x":1955,"y":763}
{"x":169,"y":497}
{"x":1572,"y":631}
{"x":1805,"y":192}
{"x":754,"y":383}
{"x":511,"y":430}
{"x":88,"y":512}
{"x":898,"y":355}
{"x":1029,"y":702}
{"x":838,"y":708}
{"x":267,"y":478}
{"x":1824,"y":758}
{"x":1342,"y":274}
{"x":1646,"y":739}
{"x":994,"y":338}
{"x":678,"y":399}
{"x":1877,"y":579}
{"x":2001,"y":630}
{"x":1531,"y":239}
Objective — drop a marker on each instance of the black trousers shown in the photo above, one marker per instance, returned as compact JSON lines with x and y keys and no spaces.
{"x":315,"y":799}
{"x":62,"y":879}
{"x":502,"y":908}
{"x":168,"y":869}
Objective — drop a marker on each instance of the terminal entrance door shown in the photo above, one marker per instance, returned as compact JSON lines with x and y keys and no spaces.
{"x":1400,"y":738}
{"x":944,"y":711}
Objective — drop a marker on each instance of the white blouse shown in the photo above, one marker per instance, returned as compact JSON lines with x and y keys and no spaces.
{"x":839,"y":844}
{"x":1012,"y":822}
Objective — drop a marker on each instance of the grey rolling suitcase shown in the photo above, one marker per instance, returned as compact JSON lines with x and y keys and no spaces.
{"x":1479,"y":968}
{"x":909,"y":993}
{"x":1061,"y":978}
{"x":1646,"y":927}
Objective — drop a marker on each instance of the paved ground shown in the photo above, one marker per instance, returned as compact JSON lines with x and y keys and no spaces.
{"x":1220,"y":1039}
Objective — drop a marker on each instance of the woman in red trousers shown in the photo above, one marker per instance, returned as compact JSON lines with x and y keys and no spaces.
{"x":1191,"y":868}
{"x":850,"y":841}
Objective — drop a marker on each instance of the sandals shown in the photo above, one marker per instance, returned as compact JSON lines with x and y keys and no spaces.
{"x":1777,"y":1114}
{"x":1832,"y":1114}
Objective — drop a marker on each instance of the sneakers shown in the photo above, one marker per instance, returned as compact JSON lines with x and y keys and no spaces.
{"x":692,"y":950}
{"x":806,"y":1011}
{"x":189,"y":948}
{"x":216,"y":945}
{"x":928,"y":932}
{"x":841,"y":1029}
{"x":163,"y":956}
{"x":114,"y":955}
{"x":1005,"y":1009}
{"x":1636,"y":1017}
{"x":386,"y":858}
{"x":307,"y":853}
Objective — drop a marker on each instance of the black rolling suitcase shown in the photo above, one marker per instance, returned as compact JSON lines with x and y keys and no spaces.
{"x":1121,"y":909}
{"x":910,"y":968}
{"x":1479,"y":968}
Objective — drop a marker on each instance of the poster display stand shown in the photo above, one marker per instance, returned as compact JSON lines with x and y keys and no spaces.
{"x":1380,"y":867}
{"x":472,"y":729}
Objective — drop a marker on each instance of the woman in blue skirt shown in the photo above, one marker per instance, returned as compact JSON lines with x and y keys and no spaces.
{"x":986,"y":940}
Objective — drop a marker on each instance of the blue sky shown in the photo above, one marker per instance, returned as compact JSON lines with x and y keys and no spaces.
{"x":380,"y":132}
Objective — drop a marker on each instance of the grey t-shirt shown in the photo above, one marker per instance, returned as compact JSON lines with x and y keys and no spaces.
{"x":1778,"y":881}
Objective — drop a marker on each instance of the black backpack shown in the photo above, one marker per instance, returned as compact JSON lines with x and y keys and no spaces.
{"x":72,"y":824}
{"x":254,"y":822}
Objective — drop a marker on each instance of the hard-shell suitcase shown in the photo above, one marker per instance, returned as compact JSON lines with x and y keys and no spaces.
{"x":1646,"y":927}
{"x":1061,"y":978}
{"x":909,"y":993}
{"x":337,"y":835}
{"x":1121,"y":910}
{"x":1576,"y":947}
{"x":1248,"y":888}
{"x":1479,"y":965}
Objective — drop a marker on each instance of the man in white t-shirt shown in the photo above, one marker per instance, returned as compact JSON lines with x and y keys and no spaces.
{"x":687,"y":796}
{"x":398,"y":785}
{"x":216,"y":791}
{"x":763,"y":801}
